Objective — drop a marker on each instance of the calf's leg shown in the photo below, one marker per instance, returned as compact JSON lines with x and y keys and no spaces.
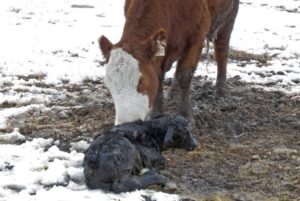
{"x":133,"y":182}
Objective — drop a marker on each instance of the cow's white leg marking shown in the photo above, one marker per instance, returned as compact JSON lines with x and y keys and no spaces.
{"x":122,"y":79}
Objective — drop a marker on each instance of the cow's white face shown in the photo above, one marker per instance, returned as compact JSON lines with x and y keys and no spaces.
{"x":122,"y":79}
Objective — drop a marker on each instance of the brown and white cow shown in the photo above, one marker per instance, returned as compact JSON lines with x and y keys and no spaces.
{"x":156,"y":34}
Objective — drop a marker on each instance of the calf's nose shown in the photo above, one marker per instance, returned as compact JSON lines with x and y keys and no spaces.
{"x":192,"y":145}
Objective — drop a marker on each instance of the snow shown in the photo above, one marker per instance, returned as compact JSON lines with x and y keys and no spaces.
{"x":52,"y":35}
{"x":12,"y":138}
{"x":79,"y":146}
{"x":52,"y":42}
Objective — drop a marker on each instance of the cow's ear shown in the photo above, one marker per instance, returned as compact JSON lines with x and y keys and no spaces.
{"x":157,"y":43}
{"x":105,"y":46}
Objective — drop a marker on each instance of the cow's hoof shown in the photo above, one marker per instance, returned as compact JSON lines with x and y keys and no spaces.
{"x":220,"y":92}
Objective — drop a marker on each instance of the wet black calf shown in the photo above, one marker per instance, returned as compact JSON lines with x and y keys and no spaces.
{"x":118,"y":158}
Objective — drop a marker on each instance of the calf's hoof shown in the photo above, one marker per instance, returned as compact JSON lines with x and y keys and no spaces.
{"x":170,"y":187}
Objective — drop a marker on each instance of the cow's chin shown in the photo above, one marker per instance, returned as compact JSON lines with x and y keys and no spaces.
{"x":131,"y":106}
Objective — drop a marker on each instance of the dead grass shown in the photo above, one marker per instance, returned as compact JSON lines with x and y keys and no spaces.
{"x":39,"y":76}
{"x":240,"y":55}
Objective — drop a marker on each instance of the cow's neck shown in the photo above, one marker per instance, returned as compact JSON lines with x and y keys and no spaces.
{"x":142,"y":20}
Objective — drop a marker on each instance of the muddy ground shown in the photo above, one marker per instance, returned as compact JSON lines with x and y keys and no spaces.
{"x":249,"y":141}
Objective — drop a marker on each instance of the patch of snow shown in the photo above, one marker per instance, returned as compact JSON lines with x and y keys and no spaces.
{"x":55,"y":174}
{"x":79,"y":146}
{"x":55,"y":41}
{"x":76,"y":174}
{"x":12,"y":138}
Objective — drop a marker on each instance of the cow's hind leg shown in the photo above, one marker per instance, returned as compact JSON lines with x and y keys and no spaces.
{"x":133,"y":182}
{"x":221,"y":46}
{"x":183,"y":77}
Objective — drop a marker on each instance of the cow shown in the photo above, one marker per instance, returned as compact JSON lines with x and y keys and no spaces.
{"x":156,"y":34}
{"x":117,"y":159}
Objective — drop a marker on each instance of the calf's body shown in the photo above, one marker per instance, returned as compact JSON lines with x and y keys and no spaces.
{"x":115,"y":160}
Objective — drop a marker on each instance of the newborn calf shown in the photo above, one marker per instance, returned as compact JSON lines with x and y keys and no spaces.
{"x":116,"y":160}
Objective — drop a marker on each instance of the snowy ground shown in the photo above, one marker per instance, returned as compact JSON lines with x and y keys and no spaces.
{"x":55,"y":42}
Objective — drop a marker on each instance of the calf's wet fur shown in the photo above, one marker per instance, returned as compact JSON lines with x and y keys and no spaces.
{"x":117,"y":158}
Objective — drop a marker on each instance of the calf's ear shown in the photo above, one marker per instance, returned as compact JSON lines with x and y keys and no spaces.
{"x":157,"y":43}
{"x":168,"y":139}
{"x":105,"y":46}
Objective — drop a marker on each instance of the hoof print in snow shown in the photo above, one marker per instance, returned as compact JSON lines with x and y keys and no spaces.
{"x":15,"y":187}
{"x":100,"y":15}
{"x":82,"y":6}
{"x":9,"y":167}
{"x":15,"y":10}
{"x":6,"y":167}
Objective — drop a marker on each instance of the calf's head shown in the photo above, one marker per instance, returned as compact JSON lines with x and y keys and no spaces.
{"x":132,"y":74}
{"x":178,"y":135}
{"x":176,"y":132}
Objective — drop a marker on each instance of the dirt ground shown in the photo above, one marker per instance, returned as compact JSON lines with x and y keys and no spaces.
{"x":249,"y":141}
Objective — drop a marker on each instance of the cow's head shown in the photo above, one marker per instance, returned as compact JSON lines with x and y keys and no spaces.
{"x":132,"y":74}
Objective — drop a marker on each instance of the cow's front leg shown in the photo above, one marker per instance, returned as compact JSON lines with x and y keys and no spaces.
{"x":133,"y":182}
{"x":183,"y":75}
{"x":183,"y":79}
{"x":158,"y":103}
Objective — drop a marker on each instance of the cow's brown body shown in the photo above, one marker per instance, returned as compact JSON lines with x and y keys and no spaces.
{"x":183,"y":25}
